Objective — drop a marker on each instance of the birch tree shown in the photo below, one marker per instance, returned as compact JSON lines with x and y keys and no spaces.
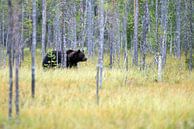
{"x":178,"y":29}
{"x":16,"y":39}
{"x":190,"y":36}
{"x":144,"y":33}
{"x":89,"y":33}
{"x":164,"y":21}
{"x":63,"y":48}
{"x":100,"y":49}
{"x":10,"y":11}
{"x":74,"y":25}
{"x":156,"y":15}
{"x":186,"y":28}
{"x":33,"y":50}
{"x":163,"y":47}
{"x":43,"y":28}
{"x":83,"y":20}
{"x":22,"y":34}
{"x":125,"y":34}
{"x":135,"y":45}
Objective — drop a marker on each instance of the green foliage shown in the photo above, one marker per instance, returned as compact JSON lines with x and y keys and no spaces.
{"x":188,"y":60}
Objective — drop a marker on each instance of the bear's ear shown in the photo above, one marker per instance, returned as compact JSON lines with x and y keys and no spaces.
{"x":78,"y":50}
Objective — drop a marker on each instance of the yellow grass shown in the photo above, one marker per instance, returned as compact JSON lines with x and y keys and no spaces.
{"x":66,"y":98}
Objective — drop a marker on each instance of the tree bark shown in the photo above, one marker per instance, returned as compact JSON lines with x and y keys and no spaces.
{"x":89,"y":37}
{"x":10,"y":11}
{"x":178,"y":30}
{"x":101,"y":43}
{"x":164,"y":21}
{"x":186,"y":28}
{"x":17,"y":41}
{"x":125,"y":36}
{"x":156,"y":15}
{"x":74,"y":27}
{"x":136,"y":15}
{"x":43,"y":28}
{"x":63,"y":48}
{"x":190,"y":36}
{"x":144,"y":33}
{"x":33,"y":51}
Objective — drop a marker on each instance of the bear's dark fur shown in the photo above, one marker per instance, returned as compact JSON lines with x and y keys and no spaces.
{"x":53,"y":58}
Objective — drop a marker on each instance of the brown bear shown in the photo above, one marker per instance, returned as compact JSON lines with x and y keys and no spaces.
{"x":53,"y":58}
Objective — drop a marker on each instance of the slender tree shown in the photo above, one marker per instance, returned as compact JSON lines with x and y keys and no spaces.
{"x":171,"y":38}
{"x":3,"y":30}
{"x":10,"y":11}
{"x":33,"y":50}
{"x":63,"y":48}
{"x":83,"y":21}
{"x":190,"y":36}
{"x":22,"y":33}
{"x":186,"y":28}
{"x":100,"y":50}
{"x":43,"y":28}
{"x":164,"y":21}
{"x":144,"y":33}
{"x":74,"y":25}
{"x":111,"y":40}
{"x":89,"y":36}
{"x":178,"y":29}
{"x":16,"y":39}
{"x":125,"y":34}
{"x":135,"y":45}
{"x":156,"y":15}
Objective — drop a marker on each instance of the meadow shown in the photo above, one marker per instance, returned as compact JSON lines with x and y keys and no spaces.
{"x":66,"y":98}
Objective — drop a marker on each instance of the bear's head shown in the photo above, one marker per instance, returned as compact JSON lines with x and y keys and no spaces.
{"x":80,"y":55}
{"x":76,"y":56}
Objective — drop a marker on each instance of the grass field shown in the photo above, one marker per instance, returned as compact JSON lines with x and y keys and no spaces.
{"x":66,"y":98}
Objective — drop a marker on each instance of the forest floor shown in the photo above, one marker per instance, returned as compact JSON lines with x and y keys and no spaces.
{"x":66,"y":98}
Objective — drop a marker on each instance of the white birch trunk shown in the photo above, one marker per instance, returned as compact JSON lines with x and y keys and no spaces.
{"x":135,"y":49}
{"x":190,"y":36}
{"x":10,"y":30}
{"x":43,"y":28}
{"x":159,"y":67}
{"x":33,"y":51}
{"x":100,"y":50}
{"x":178,"y":29}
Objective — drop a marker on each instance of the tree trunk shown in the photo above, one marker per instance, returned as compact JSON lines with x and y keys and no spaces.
{"x":111,"y":38}
{"x":171,"y":38}
{"x":178,"y":29}
{"x":17,"y":47}
{"x":89,"y":28}
{"x":101,"y":44}
{"x":190,"y":36}
{"x":43,"y":28}
{"x":74,"y":27}
{"x":136,"y":15}
{"x":49,"y":33}
{"x":164,"y":21}
{"x":10,"y":57}
{"x":156,"y":15}
{"x":33,"y":51}
{"x":63,"y":48}
{"x":82,"y":23}
{"x":186,"y":28}
{"x":3,"y":31}
{"x":22,"y":34}
{"x":159,"y":67}
{"x":144,"y":33}
{"x":118,"y":33}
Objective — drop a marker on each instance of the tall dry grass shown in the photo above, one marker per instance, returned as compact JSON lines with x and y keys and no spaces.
{"x":65,"y":98}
